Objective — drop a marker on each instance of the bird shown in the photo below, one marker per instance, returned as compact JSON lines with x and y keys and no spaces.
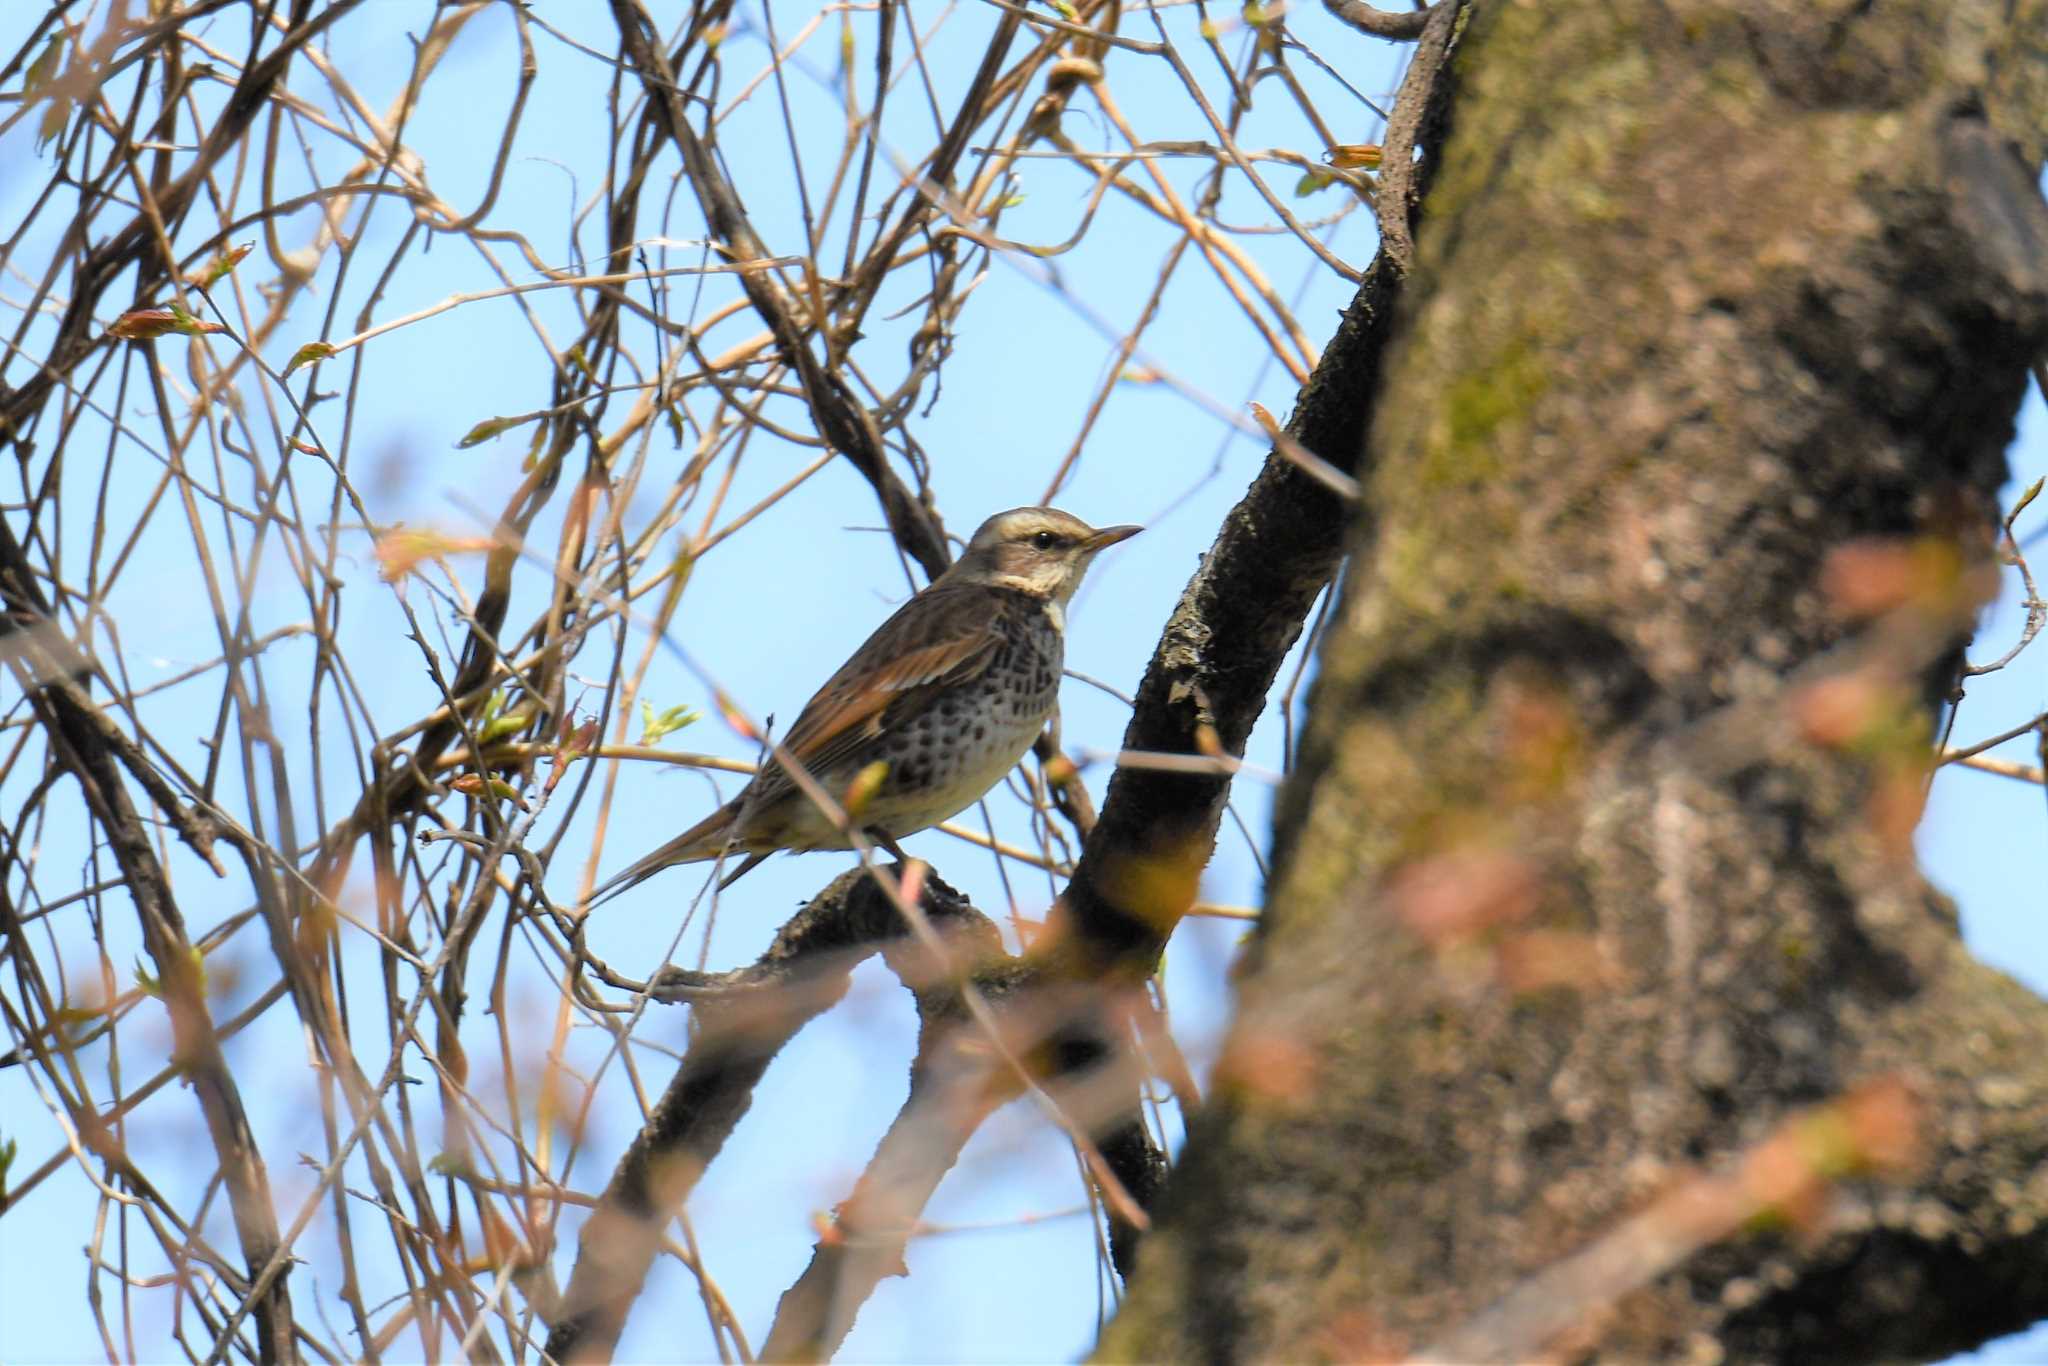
{"x":927,"y":715}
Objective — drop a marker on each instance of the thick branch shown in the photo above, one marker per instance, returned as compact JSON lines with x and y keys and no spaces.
{"x":953,"y":1088}
{"x":1400,"y":188}
{"x":742,"y":1021}
{"x":1057,"y":1030}
{"x":1240,"y":614}
{"x":1399,"y":25}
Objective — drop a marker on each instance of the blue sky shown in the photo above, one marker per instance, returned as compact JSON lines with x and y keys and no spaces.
{"x":768,"y":616}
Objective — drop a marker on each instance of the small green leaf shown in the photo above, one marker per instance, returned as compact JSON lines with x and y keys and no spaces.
{"x":54,"y":118}
{"x":43,"y":67}
{"x":1311,"y":181}
{"x":493,"y":712}
{"x":476,"y":785}
{"x":146,"y":982}
{"x":216,"y":270}
{"x":38,"y":75}
{"x":307,"y":354}
{"x":73,"y":1021}
{"x":487,"y":429}
{"x":2033,"y":492}
{"x":653,"y":726}
{"x":187,"y":325}
{"x":457,"y":1165}
{"x":8,"y":1151}
{"x":498,"y":727}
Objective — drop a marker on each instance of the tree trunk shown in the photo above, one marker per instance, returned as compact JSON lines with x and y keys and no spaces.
{"x":1595,"y":947}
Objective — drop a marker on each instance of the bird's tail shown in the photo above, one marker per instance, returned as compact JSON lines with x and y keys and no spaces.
{"x":706,"y":839}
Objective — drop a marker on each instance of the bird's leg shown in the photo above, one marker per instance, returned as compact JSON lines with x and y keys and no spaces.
{"x":1068,"y":796}
{"x":877,"y":835}
{"x":890,"y":886}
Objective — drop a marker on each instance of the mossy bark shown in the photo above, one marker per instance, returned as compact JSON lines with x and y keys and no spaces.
{"x":1568,"y":897}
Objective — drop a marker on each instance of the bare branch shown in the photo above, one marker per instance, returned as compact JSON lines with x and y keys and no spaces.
{"x":1394,"y":24}
{"x":742,"y":1021}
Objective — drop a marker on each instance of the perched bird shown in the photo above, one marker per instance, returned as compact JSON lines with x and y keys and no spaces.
{"x":929,"y":713}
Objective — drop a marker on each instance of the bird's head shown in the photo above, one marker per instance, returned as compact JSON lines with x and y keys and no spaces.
{"x":1041,"y":551}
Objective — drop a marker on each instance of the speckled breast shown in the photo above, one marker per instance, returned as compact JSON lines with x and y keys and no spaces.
{"x":969,"y":738}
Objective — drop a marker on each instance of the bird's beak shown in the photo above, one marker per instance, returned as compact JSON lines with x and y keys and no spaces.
{"x":1109,"y":536}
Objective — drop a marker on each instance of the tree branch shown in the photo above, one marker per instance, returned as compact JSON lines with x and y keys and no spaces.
{"x":954,"y":1085}
{"x":1380,"y":23}
{"x":842,"y":420}
{"x":80,"y":747}
{"x":743,"y":1019}
{"x":1400,"y":192}
{"x":1240,"y":614}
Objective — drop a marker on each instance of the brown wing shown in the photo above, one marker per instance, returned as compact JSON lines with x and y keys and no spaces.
{"x":940,"y":639}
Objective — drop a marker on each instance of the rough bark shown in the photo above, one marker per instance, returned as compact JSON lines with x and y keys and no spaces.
{"x":1571,"y":898}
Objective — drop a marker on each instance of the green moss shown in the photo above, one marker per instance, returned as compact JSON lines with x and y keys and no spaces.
{"x":1576,"y":143}
{"x":1465,"y":456}
{"x":1478,"y":404}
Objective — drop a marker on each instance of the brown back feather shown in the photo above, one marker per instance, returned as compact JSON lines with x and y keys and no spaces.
{"x":940,"y":639}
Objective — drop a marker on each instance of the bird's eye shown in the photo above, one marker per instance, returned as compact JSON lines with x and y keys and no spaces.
{"x":1046,"y":540}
